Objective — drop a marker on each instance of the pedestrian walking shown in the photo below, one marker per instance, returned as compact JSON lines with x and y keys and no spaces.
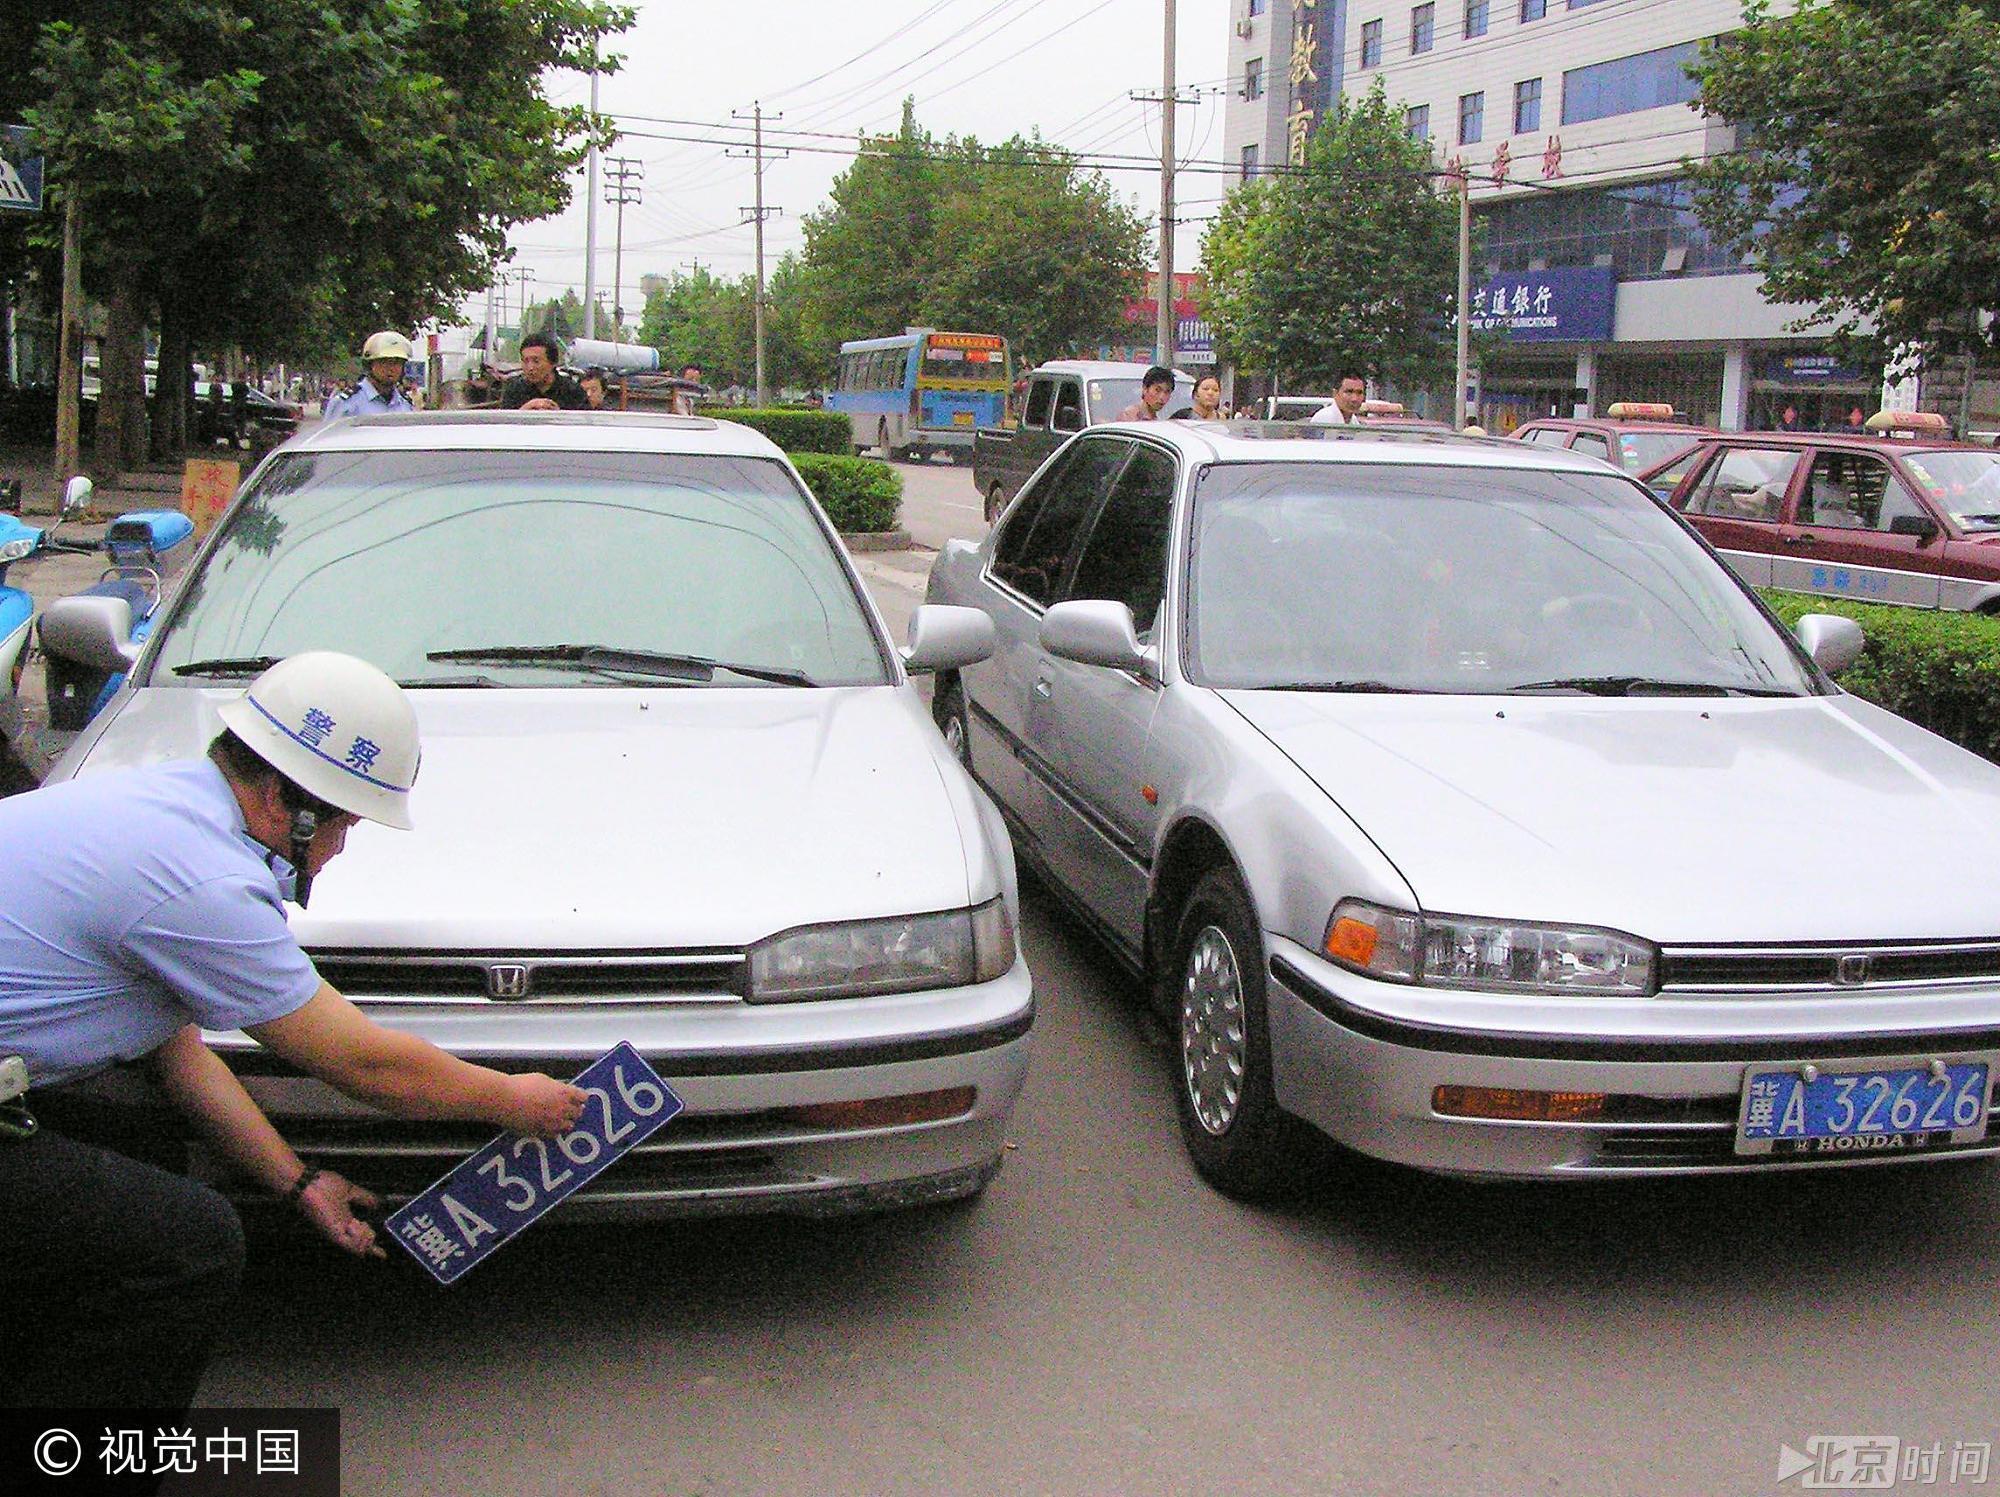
{"x":1207,"y":401}
{"x":386,"y":355}
{"x":1155,"y":389}
{"x":141,"y":907}
{"x":1350,"y":392}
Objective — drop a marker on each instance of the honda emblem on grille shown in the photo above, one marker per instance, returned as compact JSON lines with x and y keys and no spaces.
{"x":1851,"y":970}
{"x":506,"y":980}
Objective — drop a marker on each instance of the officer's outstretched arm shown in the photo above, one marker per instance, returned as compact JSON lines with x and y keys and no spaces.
{"x":411,"y":1077}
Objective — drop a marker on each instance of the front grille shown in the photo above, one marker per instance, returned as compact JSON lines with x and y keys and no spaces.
{"x":508,"y":976}
{"x":1761,"y":969}
{"x":1714,"y":1147}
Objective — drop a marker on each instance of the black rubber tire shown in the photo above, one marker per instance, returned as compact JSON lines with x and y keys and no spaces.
{"x":1258,"y":1155}
{"x":995,"y":502}
{"x":948,"y":712}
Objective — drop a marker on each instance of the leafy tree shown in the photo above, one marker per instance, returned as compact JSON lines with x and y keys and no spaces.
{"x":703,"y":319}
{"x":1353,"y":258}
{"x":1013,"y":238}
{"x":1866,"y":179}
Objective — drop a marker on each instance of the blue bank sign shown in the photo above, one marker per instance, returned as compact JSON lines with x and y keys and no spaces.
{"x":20,"y":173}
{"x":1571,"y":304}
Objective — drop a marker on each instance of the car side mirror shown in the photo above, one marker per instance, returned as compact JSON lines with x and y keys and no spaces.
{"x":1923,"y":527}
{"x":1834,"y":642}
{"x":947,"y":638}
{"x":93,"y":630}
{"x":1093,"y":632}
{"x":76,"y":497}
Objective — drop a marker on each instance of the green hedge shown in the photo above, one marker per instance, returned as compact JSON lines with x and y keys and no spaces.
{"x":797,"y":430}
{"x":858,"y":493}
{"x":1939,"y":669}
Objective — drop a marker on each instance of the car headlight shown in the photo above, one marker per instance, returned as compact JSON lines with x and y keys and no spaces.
{"x":1463,"y":951}
{"x":15,"y":550}
{"x":905,"y":954}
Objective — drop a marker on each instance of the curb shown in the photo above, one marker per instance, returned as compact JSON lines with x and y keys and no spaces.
{"x":876,"y":540}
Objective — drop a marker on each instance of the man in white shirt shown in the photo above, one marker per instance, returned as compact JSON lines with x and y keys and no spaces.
{"x":1348,"y":394}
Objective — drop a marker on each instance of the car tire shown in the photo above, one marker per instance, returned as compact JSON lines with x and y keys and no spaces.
{"x":948,"y":712}
{"x":996,"y":500}
{"x":1240,"y":1140}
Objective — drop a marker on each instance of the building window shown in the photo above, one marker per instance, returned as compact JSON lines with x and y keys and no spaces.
{"x":1253,"y":78}
{"x":1647,"y":80}
{"x":1579,"y":4}
{"x":1534,"y":10}
{"x":1249,"y":162}
{"x":1371,"y":44}
{"x":1256,"y":7}
{"x":1471,"y":118}
{"x":1475,"y":18}
{"x":1423,"y":27}
{"x":1417,"y":120}
{"x":1527,"y":106}
{"x":1631,"y":228}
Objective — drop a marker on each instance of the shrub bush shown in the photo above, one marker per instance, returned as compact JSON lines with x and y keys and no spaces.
{"x":1938,"y":669}
{"x":801,"y":430}
{"x":858,"y":493}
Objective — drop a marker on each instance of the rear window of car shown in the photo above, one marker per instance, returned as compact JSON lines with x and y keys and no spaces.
{"x":391,"y":555}
{"x":1966,"y":485}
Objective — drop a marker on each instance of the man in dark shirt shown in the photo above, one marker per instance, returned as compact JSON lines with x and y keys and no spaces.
{"x":538,"y":387}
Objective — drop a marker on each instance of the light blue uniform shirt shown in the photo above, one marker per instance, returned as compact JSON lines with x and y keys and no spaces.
{"x":366,"y":400}
{"x":134,"y":903}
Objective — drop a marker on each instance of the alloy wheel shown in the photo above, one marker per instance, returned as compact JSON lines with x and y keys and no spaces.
{"x":1213,"y":1045}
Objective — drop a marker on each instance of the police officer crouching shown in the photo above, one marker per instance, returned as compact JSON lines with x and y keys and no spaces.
{"x":139,"y":907}
{"x":387,"y":355}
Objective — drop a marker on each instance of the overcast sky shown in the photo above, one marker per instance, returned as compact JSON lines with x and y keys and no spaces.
{"x":988,"y":68}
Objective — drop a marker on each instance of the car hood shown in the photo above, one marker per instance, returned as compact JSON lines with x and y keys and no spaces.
{"x":1695,"y":820}
{"x":610,"y":818}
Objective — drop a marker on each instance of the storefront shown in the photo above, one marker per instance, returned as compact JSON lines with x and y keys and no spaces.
{"x":1792,"y":389}
{"x":1545,"y":318}
{"x":1689,"y":380}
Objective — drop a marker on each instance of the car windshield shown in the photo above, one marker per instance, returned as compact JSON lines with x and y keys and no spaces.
{"x":1475,"y":580}
{"x":399,"y":556}
{"x":1966,"y":485}
{"x":1640,"y":450}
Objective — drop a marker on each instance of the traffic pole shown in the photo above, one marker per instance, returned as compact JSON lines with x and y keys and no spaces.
{"x":590,"y":225}
{"x":1163,"y":331}
{"x":1461,"y":384}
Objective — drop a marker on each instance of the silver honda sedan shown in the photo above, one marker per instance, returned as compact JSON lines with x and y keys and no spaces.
{"x":1452,"y":798}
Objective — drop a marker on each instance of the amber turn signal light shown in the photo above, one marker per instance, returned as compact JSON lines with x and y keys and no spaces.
{"x":1510,"y":1105}
{"x":884,"y":1112}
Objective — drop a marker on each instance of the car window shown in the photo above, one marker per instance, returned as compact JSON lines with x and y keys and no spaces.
{"x":1669,"y":478}
{"x":1125,"y":557}
{"x":1640,"y":450}
{"x":1069,"y":406}
{"x":1040,"y":396}
{"x":1040,"y":531}
{"x":1591,"y":444}
{"x":389,"y":555}
{"x":1548,"y":436}
{"x":1852,"y":491}
{"x":1966,"y":485}
{"x":1417,"y":578}
{"x":1745,"y":483}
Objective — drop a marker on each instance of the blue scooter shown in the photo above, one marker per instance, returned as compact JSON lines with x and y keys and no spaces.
{"x":20,"y":542}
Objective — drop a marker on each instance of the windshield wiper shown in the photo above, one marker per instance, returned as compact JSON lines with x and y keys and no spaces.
{"x":661,"y":663}
{"x":229,"y":665}
{"x":1367,"y":686}
{"x":1624,"y":686}
{"x":444,"y":683}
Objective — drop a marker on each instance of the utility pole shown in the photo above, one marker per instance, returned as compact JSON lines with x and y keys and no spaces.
{"x":1462,"y":380}
{"x":1168,"y":98}
{"x":521,"y":275}
{"x":590,"y":224}
{"x":69,"y":359}
{"x":621,"y":186}
{"x":757,"y":215}
{"x":492,"y":326}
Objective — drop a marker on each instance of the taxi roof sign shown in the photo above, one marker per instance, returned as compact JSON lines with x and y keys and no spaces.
{"x":1381,"y":408}
{"x":1929,"y":423}
{"x":1639,"y":410}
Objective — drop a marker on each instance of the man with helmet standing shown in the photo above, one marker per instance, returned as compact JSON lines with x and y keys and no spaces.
{"x":138,"y":907}
{"x":385,"y":354}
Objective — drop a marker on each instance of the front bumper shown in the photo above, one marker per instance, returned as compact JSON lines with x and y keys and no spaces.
{"x":1353,"y":1057}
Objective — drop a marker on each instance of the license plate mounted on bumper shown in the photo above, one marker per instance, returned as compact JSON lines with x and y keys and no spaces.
{"x":1806,"y":1111}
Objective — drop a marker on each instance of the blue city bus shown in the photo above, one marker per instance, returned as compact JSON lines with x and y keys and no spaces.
{"x":922,"y":391}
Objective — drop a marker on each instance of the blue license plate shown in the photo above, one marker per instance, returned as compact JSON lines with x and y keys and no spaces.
{"x":514,"y":1181}
{"x":1803,"y":1110}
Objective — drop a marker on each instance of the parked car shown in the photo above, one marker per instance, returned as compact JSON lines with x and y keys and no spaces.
{"x":677,"y":790}
{"x":1289,"y":407}
{"x":1641,"y":438}
{"x":1882,"y":518}
{"x":268,"y":419}
{"x":1452,"y":799}
{"x":1063,"y":397}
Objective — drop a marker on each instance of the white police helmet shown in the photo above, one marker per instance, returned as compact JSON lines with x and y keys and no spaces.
{"x":386,"y":345}
{"x":336,"y":727}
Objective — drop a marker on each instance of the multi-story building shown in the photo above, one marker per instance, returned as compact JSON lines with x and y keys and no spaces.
{"x":1572,"y":120}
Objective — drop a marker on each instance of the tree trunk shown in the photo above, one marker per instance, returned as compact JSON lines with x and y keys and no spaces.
{"x":121,"y":418}
{"x":170,"y":395}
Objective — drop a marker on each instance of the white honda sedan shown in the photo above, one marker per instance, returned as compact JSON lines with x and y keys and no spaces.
{"x":1453,"y":798}
{"x":677,"y":790}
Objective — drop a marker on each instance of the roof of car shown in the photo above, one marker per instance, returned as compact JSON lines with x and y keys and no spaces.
{"x":1101,"y":369}
{"x":1606,"y":423}
{"x":546,"y":431}
{"x":1863,"y":441}
{"x":1302,"y":442}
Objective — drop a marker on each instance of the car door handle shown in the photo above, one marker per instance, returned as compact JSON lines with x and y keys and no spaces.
{"x":1797,"y":538}
{"x":1043,"y":687}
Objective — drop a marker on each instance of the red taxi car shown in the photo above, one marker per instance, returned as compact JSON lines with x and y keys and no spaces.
{"x":1899,"y":514}
{"x":1638,"y":436}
